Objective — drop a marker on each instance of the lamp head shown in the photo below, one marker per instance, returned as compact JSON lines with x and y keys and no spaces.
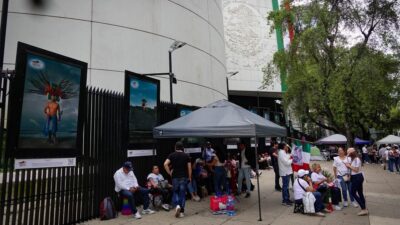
{"x":176,"y":45}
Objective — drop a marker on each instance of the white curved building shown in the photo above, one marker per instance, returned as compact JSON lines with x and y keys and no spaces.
{"x":135,"y":35}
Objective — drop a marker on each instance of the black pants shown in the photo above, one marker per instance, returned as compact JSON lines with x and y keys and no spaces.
{"x":164,"y":192}
{"x":357,"y":189}
{"x":276,"y":171}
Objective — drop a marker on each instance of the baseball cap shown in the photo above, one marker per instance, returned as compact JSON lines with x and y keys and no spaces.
{"x":302,"y":173}
{"x":128,"y":165}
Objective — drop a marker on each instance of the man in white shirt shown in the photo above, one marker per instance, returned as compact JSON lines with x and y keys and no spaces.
{"x":127,"y":186}
{"x":302,"y":185}
{"x":365,"y":154}
{"x":285,"y":171}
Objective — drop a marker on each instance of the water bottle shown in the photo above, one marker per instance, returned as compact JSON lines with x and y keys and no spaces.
{"x":230,"y":206}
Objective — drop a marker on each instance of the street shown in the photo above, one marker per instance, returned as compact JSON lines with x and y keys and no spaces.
{"x":382,"y":191}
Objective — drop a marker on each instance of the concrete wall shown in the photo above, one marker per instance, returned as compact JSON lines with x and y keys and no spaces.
{"x":135,"y":35}
{"x":249,"y":43}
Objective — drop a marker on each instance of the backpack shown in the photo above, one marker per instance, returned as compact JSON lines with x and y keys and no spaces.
{"x":107,"y":209}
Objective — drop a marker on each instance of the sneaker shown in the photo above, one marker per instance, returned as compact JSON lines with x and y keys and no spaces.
{"x":363,"y":213}
{"x":165,"y":207}
{"x":181,"y":215}
{"x":137,"y":215}
{"x":337,"y":207}
{"x":345,"y":204}
{"x":196,"y":198}
{"x":177,"y":211}
{"x":247,"y":195}
{"x":320,"y":214}
{"x":288,"y":204}
{"x":354,"y":204}
{"x":290,"y":201}
{"x":148,"y":211}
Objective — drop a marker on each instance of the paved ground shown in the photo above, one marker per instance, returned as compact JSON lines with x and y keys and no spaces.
{"x":382,"y":192}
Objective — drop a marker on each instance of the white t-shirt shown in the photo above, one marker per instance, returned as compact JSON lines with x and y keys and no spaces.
{"x":386,"y":155}
{"x":244,"y":160}
{"x":317,"y":177}
{"x":364,"y":150}
{"x":340,"y":165}
{"x":156,"y":178}
{"x":298,"y":191}
{"x":356,"y":163}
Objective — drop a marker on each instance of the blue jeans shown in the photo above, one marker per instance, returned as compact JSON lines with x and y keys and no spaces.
{"x":285,"y":189}
{"x":397,"y":163}
{"x":391,"y":162}
{"x":357,"y":189}
{"x":219,"y":179}
{"x":192,"y":186}
{"x":131,"y":198}
{"x":365,"y":157}
{"x":244,"y":172}
{"x":179,"y":192}
{"x":318,"y":204}
{"x":346,"y":186}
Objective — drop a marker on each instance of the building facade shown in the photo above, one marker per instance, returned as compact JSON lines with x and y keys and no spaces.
{"x":132,"y":35}
{"x":250,"y":46}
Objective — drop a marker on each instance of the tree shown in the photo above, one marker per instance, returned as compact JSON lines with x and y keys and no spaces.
{"x":343,"y":63}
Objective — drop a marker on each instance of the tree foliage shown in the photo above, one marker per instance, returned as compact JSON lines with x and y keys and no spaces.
{"x":343,"y":64}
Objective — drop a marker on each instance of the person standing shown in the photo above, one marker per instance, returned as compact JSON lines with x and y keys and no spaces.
{"x":218,"y":163}
{"x":181,"y":173}
{"x":285,"y":171}
{"x":244,"y":169}
{"x":342,"y":173}
{"x":127,"y":186}
{"x":365,"y":154}
{"x":357,"y":179}
{"x":396,"y":155}
{"x":274,"y":161}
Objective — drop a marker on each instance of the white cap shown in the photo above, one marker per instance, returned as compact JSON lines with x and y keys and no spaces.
{"x":302,"y":172}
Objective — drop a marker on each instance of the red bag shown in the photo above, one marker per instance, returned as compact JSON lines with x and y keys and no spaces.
{"x":214,"y":202}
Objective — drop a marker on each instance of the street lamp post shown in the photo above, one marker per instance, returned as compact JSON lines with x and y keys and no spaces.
{"x":230,"y":74}
{"x":172,"y":79}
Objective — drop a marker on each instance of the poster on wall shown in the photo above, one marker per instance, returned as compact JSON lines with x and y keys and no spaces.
{"x":142,"y":99}
{"x":48,"y":95}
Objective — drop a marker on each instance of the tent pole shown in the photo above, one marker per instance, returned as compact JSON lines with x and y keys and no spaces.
{"x":258,"y":180}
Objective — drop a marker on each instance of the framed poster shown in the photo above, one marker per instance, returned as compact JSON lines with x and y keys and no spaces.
{"x":46,"y":104}
{"x":142,"y":98}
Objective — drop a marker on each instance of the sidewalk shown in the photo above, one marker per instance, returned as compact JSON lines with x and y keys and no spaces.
{"x":382,"y":192}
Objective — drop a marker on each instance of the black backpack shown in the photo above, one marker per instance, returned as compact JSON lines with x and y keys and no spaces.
{"x":107,"y":209}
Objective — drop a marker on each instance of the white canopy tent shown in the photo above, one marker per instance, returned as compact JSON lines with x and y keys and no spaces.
{"x":221,"y":119}
{"x":333,"y":139}
{"x":390,"y":139}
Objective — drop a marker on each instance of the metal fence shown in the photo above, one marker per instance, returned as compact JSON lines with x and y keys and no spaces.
{"x":70,"y":195}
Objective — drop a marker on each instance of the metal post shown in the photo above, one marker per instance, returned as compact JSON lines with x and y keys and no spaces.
{"x":171,"y":76}
{"x":258,"y":179}
{"x":3,"y":31}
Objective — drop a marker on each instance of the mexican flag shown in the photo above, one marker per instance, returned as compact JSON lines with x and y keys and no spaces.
{"x":301,"y":155}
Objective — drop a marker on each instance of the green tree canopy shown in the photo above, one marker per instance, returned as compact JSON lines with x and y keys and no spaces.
{"x":343,"y":64}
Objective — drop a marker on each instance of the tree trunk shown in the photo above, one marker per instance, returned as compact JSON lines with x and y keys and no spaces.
{"x":350,"y":138}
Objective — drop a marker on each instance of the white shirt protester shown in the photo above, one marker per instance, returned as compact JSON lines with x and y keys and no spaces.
{"x":124,"y":181}
{"x":317,"y":177}
{"x":156,"y":178}
{"x":284,"y":163}
{"x":340,"y":165}
{"x":364,"y":150}
{"x":298,"y":191}
{"x":244,"y":160}
{"x":356,"y":163}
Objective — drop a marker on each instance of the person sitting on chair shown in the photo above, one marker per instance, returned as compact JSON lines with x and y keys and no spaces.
{"x":302,"y":185}
{"x":127,"y":186}
{"x":320,"y":183}
{"x":159,"y":185}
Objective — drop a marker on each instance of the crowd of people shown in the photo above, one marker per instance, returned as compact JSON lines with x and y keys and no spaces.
{"x":214,"y":172}
{"x":218,"y":173}
{"x":347,"y":181}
